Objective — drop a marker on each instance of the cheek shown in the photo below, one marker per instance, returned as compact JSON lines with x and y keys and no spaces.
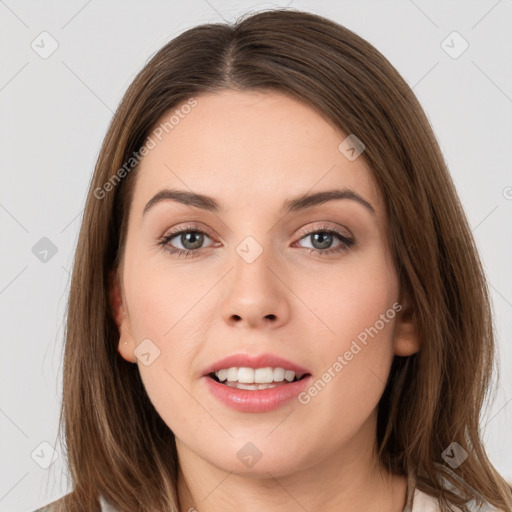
{"x":350,"y":296}
{"x":162,"y":299}
{"x":351,"y":330}
{"x":164,"y":308}
{"x":354,"y":362}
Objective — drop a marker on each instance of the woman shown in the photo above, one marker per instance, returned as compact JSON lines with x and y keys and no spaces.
{"x":276,"y":300}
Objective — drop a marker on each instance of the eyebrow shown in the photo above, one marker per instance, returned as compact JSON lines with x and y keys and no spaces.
{"x":301,"y":202}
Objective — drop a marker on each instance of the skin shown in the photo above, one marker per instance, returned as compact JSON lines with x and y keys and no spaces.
{"x":251,"y":151}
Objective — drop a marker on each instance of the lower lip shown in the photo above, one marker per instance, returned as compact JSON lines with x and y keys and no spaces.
{"x":261,"y":400}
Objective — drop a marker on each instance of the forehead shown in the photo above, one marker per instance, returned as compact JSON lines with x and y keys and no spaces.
{"x":250,"y":150}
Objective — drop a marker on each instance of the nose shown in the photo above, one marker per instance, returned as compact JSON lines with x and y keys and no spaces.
{"x":256,"y":295}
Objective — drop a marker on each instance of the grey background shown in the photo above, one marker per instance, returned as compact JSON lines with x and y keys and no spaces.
{"x":55,"y":113}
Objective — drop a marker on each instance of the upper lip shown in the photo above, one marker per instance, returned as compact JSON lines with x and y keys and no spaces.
{"x":255,"y":361}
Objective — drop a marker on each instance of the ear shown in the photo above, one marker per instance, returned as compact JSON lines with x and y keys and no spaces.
{"x":406,"y":340}
{"x":126,"y":344}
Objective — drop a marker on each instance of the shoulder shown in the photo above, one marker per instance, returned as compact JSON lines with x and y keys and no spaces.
{"x":54,"y":506}
{"x":59,"y":505}
{"x":423,"y":502}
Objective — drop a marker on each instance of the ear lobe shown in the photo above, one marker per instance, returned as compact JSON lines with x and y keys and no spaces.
{"x":406,"y":340}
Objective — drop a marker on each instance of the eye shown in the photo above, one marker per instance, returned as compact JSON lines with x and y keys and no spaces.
{"x":190,"y":238}
{"x":323,"y":238}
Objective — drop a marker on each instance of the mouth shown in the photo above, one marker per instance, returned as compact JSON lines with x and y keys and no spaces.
{"x":255,"y":379}
{"x":252,"y":383}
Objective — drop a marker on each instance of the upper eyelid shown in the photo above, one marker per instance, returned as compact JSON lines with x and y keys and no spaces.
{"x":308,"y":231}
{"x":188,"y":227}
{"x":325,"y":227}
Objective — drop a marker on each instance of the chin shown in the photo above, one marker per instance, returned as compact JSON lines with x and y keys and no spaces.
{"x":257,"y":459}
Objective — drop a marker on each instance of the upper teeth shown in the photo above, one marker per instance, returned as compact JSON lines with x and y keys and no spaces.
{"x":258,"y":375}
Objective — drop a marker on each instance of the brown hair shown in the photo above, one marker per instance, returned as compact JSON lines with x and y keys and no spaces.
{"x":117,"y":444}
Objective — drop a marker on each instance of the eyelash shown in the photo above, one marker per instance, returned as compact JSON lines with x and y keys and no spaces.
{"x":346,"y":244}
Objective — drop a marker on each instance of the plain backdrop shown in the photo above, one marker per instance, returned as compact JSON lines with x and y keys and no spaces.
{"x":55,"y":112}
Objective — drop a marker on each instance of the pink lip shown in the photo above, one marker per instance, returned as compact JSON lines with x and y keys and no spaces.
{"x":254,"y":361}
{"x":261,"y":400}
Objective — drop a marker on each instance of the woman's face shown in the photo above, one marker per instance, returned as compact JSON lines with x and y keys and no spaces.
{"x":255,"y":284}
